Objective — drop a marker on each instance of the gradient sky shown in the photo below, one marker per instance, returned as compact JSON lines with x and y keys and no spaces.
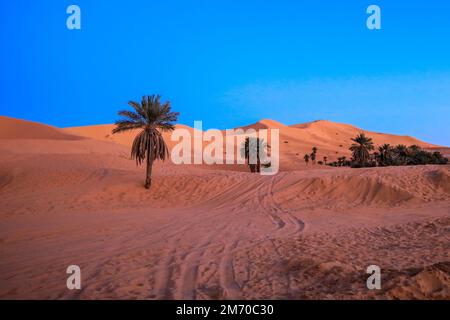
{"x":231,"y":63}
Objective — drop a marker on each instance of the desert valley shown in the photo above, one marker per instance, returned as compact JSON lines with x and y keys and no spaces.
{"x":73,"y":196}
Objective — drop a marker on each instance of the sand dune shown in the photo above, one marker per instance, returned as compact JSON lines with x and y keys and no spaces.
{"x":321,"y":133}
{"x":214,"y":234}
{"x":338,"y":133}
{"x":11,"y":128}
{"x":332,"y":139}
{"x":104,"y":132}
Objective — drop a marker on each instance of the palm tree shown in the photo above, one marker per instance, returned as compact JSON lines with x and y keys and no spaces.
{"x":385,"y":155}
{"x":414,"y":148}
{"x":313,"y":155}
{"x":360,"y":149}
{"x":438,"y":158}
{"x":313,"y":158}
{"x":253,"y":147}
{"x":325,"y":159}
{"x":401,"y":151}
{"x":153,"y":117}
{"x":306,"y":157}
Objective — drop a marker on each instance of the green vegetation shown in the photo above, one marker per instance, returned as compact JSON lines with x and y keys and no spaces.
{"x":386,"y":155}
{"x":361,"y":150}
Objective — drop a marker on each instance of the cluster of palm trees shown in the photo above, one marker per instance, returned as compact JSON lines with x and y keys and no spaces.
{"x":402,"y":155}
{"x":341,"y":162}
{"x":311,"y":156}
{"x":387,"y":155}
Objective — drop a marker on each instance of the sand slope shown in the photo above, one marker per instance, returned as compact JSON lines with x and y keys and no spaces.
{"x":215,"y":234}
{"x":104,"y":133}
{"x":11,"y":128}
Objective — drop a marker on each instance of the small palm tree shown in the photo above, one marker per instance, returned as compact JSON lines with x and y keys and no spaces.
{"x":151,"y":116}
{"x":414,"y":148}
{"x":306,"y":157}
{"x":325,"y":159}
{"x":313,"y":155}
{"x":361,"y":149}
{"x":384,"y":155}
{"x":253,"y":147}
{"x":402,"y":153}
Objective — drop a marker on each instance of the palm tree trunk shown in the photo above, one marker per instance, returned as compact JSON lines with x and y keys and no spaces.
{"x":148,"y":180}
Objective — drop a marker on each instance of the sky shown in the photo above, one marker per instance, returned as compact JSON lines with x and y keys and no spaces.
{"x":231,"y":63}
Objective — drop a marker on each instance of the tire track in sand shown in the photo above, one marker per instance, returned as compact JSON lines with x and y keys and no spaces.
{"x":269,"y":204}
{"x":231,"y":289}
{"x":187,"y":284}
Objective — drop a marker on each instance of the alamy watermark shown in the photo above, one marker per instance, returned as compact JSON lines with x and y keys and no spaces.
{"x":257,"y":148}
{"x":374,"y":20}
{"x":74,"y":280}
{"x":374,"y":280}
{"x":73,"y":21}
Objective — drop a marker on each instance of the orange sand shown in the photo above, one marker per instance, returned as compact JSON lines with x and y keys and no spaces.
{"x":204,"y":233}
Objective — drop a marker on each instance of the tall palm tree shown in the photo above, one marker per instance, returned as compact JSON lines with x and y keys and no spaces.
{"x":361,"y":148}
{"x":325,"y":159}
{"x":152,"y":117}
{"x":253,"y":147}
{"x":306,"y":157}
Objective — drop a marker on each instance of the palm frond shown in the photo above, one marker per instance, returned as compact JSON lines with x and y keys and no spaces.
{"x":132,"y":116}
{"x":150,"y":113}
{"x":126,"y":125}
{"x":149,"y":143}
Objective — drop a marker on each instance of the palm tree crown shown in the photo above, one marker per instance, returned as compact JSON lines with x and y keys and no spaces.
{"x":361,"y":148}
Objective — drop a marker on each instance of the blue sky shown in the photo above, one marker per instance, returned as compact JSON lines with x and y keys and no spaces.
{"x":231,"y":63}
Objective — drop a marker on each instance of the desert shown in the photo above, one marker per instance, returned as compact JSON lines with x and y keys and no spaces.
{"x":73,"y":196}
